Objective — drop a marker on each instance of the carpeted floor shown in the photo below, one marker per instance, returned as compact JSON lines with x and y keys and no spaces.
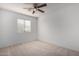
{"x":37,"y":48}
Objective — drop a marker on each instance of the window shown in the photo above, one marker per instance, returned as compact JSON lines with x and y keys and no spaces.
{"x":23,"y":25}
{"x":27,"y":26}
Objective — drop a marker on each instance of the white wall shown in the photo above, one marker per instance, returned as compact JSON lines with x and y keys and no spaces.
{"x":8,"y":28}
{"x":60,"y":25}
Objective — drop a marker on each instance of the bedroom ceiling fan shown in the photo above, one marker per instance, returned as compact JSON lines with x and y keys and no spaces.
{"x":36,"y":7}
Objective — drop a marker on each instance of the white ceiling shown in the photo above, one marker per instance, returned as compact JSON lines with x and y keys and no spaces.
{"x":19,"y":7}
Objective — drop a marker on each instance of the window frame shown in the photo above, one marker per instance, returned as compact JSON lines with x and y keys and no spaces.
{"x":24,"y":26}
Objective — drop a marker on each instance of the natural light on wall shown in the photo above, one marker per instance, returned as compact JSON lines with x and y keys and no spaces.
{"x":23,"y":25}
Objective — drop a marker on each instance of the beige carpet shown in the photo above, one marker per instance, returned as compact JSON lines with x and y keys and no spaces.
{"x":37,"y":48}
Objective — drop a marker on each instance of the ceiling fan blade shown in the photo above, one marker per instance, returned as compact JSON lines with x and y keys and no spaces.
{"x":35,"y":5}
{"x":33,"y":12}
{"x":41,"y":10}
{"x":28,"y":8}
{"x":43,"y":5}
